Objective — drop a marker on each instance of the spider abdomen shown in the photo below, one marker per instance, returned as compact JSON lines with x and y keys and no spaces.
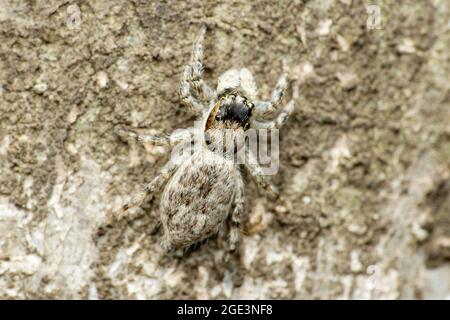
{"x":197,"y":199}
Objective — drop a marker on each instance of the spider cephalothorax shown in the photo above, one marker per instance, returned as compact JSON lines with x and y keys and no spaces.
{"x":205,"y":188}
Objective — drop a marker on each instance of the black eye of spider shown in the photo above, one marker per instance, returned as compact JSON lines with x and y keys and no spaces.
{"x":218,"y":117}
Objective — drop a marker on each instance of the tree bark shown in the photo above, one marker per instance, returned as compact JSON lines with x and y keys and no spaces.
{"x":365,"y":158}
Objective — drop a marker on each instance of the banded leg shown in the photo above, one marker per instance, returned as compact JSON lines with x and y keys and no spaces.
{"x":282,"y":117}
{"x":265,"y":107}
{"x":192,"y":78}
{"x":256,"y":171}
{"x":160,"y":140}
{"x":154,"y":185}
{"x":196,"y":65}
{"x":235,"y":231}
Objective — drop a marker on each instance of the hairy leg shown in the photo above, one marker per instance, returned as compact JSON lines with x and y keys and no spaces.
{"x":263,"y":108}
{"x":235,"y":231}
{"x":160,"y":140}
{"x":198,"y":84}
{"x":282,"y":117}
{"x":256,"y":172}
{"x":192,"y":81}
{"x":148,"y":189}
{"x":248,"y":83}
{"x":207,"y":92}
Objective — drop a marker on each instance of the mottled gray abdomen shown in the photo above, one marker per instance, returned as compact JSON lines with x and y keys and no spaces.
{"x":197,"y":199}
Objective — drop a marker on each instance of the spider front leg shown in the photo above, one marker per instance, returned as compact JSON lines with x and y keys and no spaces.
{"x":192,"y":81}
{"x":196,"y":65}
{"x":263,"y":108}
{"x":281,"y":118}
{"x":235,"y":231}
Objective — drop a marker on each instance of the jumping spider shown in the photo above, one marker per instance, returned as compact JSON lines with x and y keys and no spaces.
{"x":206,"y":188}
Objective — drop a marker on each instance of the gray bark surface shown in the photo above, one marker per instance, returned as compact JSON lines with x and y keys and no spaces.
{"x":365,"y":158}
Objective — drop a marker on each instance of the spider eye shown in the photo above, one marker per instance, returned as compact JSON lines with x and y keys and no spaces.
{"x":218,"y":117}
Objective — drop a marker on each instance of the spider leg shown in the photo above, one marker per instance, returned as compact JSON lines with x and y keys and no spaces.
{"x":263,"y":108}
{"x":198,"y":84}
{"x":207,"y":92}
{"x":281,"y":118}
{"x":235,"y":231}
{"x":192,"y":81}
{"x":256,"y":172}
{"x":248,"y":83}
{"x":160,"y":140}
{"x":165,"y":173}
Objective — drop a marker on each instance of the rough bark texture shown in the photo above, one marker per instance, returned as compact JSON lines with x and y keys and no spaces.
{"x":365,"y":159}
